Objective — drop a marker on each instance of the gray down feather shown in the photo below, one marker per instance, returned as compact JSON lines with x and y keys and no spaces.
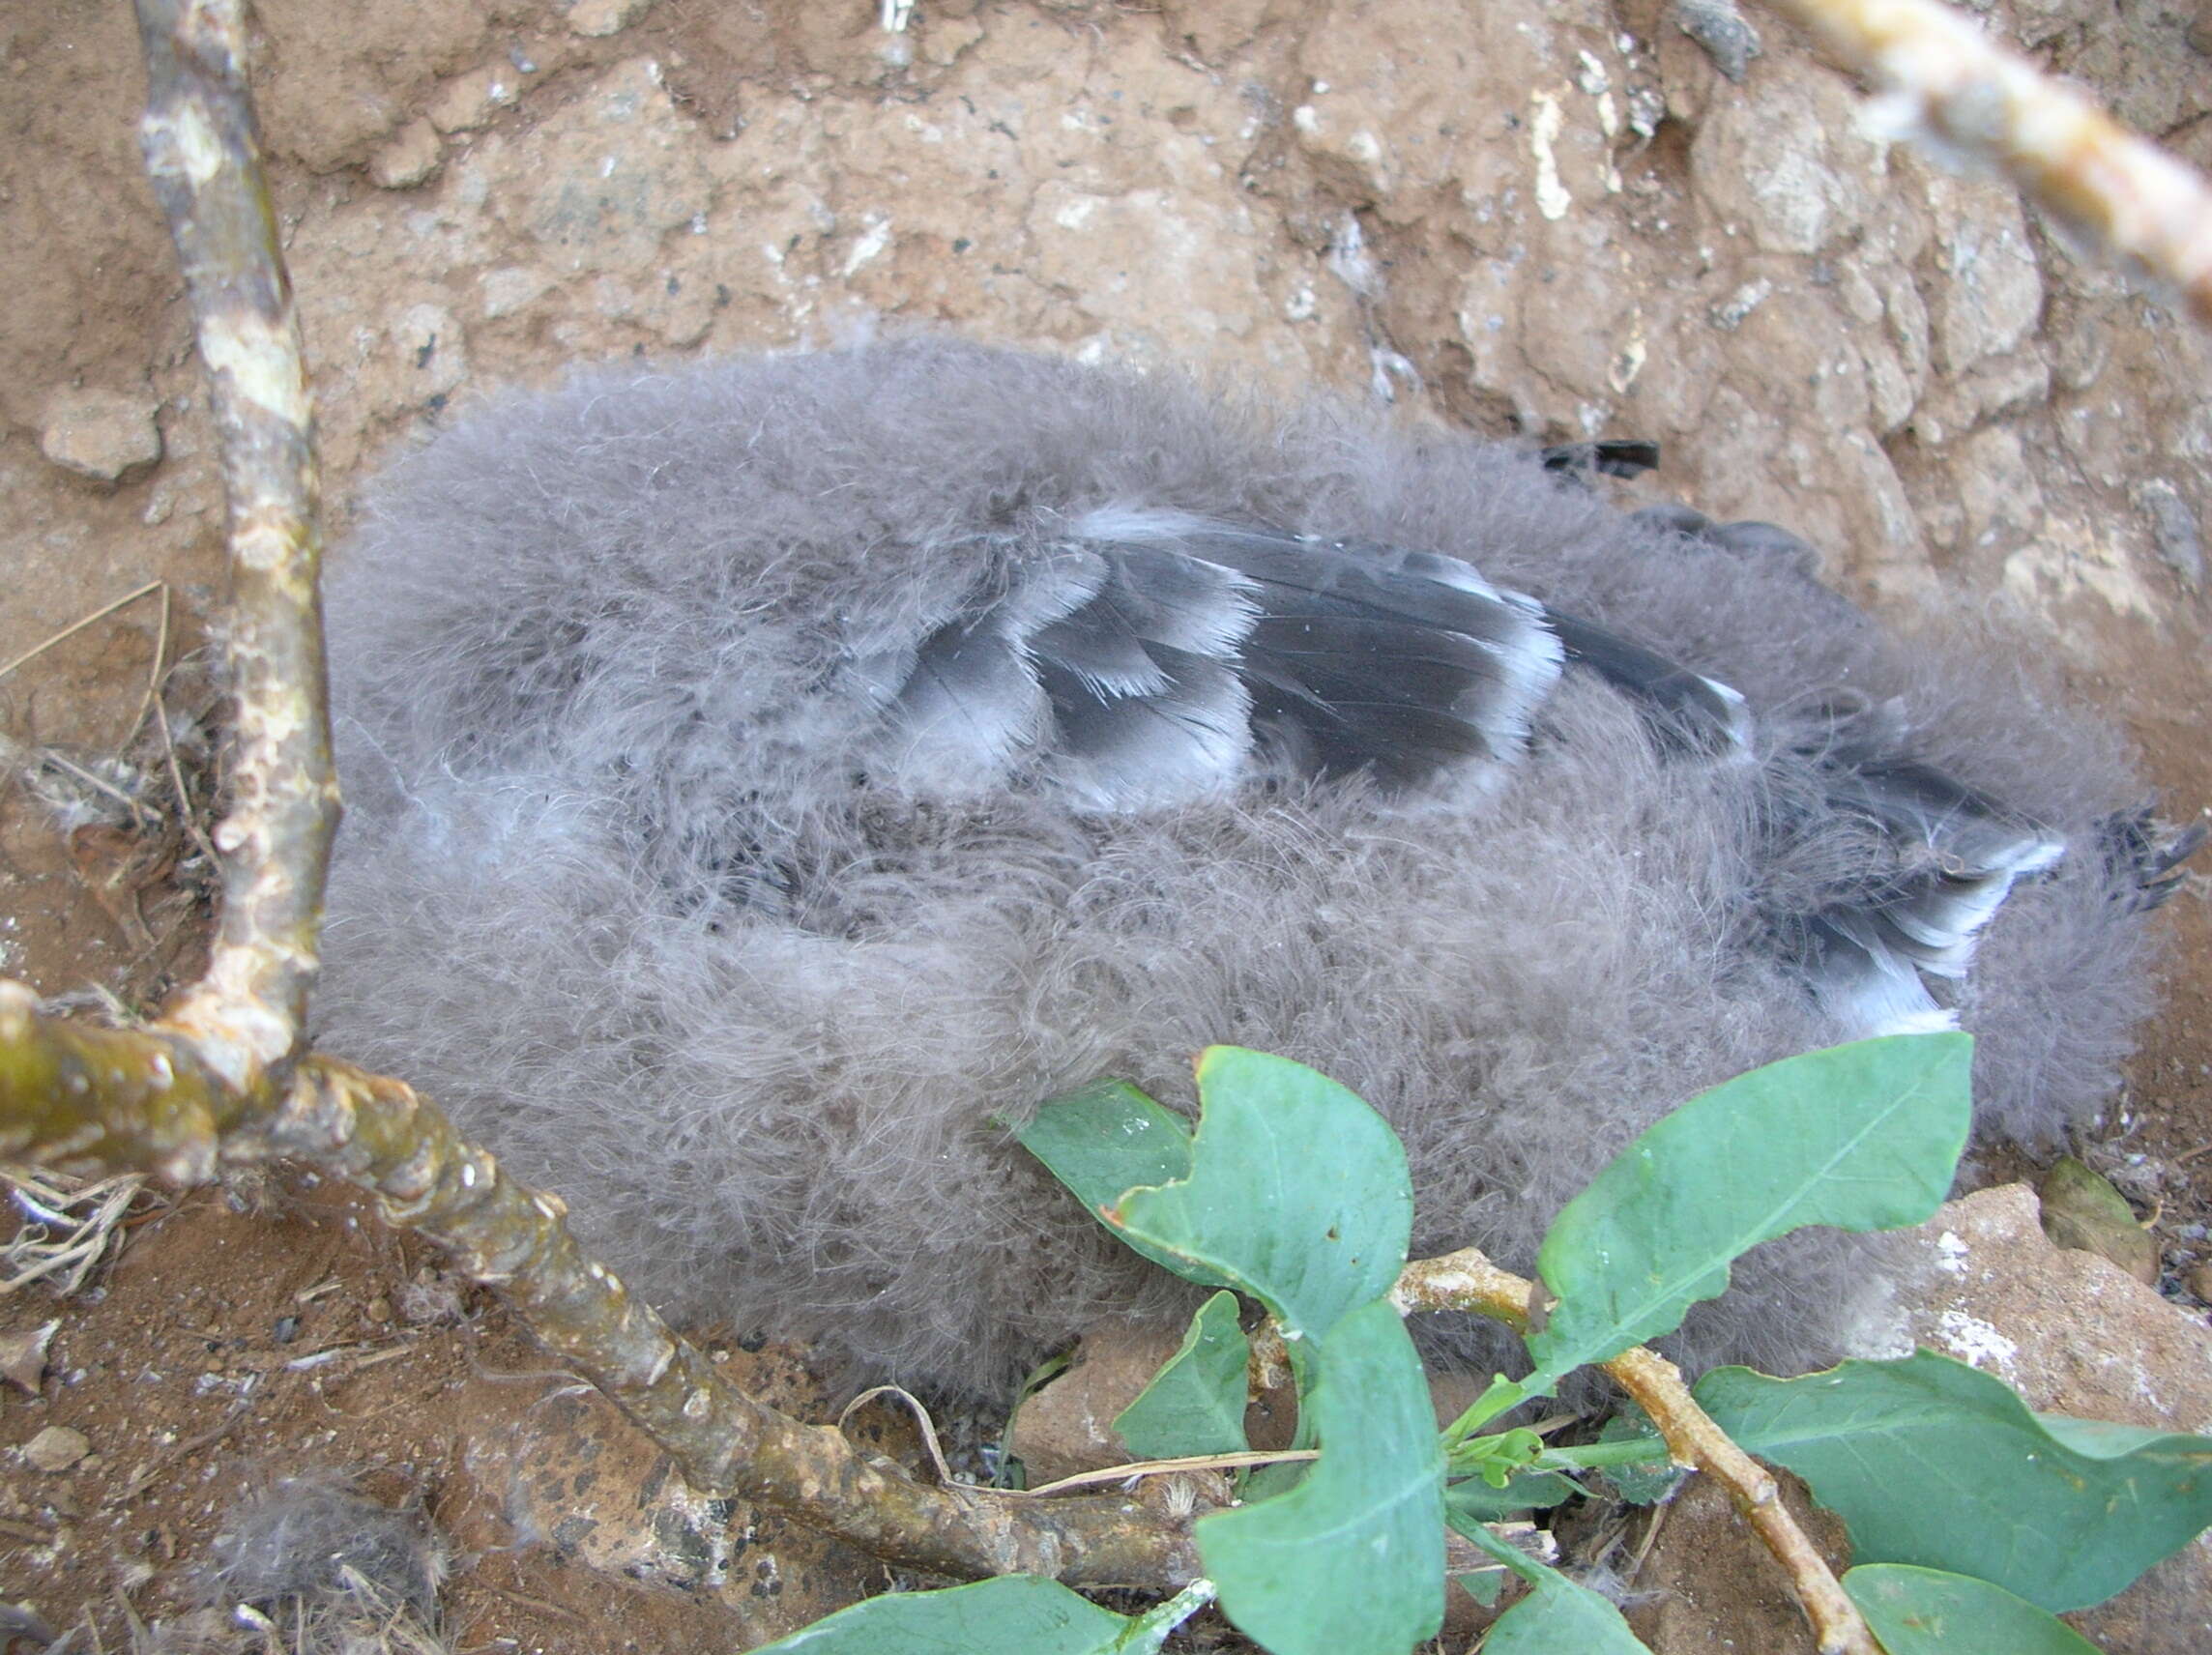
{"x":762,"y":773}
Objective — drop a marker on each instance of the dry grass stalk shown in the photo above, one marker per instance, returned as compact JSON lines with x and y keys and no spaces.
{"x":70,"y":1226}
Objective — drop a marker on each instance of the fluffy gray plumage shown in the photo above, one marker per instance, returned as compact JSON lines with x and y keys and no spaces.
{"x":328,"y":1562}
{"x":761,"y":773}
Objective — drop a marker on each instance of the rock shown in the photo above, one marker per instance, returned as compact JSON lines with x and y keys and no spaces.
{"x":470,"y":100}
{"x":412,"y":157}
{"x":24,"y":1356}
{"x":56,"y":1448}
{"x":1785,"y":161}
{"x":606,"y":178}
{"x":424,"y":354}
{"x":2173,"y":527}
{"x":1995,"y":294}
{"x":1730,"y":41}
{"x":1214,"y":28}
{"x":1998,"y":488}
{"x":593,"y":18}
{"x":509,"y":288}
{"x":2082,"y":1209}
{"x":2075,"y":1334}
{"x":100,"y":434}
{"x":1068,"y":1426}
{"x":332,"y":85}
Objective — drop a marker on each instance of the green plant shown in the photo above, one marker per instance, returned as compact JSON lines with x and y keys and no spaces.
{"x":1974,"y":1520}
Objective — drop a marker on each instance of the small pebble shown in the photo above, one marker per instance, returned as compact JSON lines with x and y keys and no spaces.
{"x":100,"y":434}
{"x":56,"y":1448}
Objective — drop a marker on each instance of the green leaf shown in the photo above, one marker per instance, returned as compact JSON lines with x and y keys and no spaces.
{"x":1297,"y":1193}
{"x":1484,"y":1585}
{"x":1863,"y":1137}
{"x":1107,"y":1139}
{"x":1351,"y":1560}
{"x":1925,"y":1611}
{"x":1476,"y":1501}
{"x":1645,"y":1483}
{"x":1932,"y":1463}
{"x":1557,"y":1615}
{"x":1195,"y":1405}
{"x":1495,"y":1457}
{"x":1013,"y":1614}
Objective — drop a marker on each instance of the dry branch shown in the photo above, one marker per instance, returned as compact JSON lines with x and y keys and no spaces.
{"x":244,"y":1016}
{"x":1959,"y":88}
{"x":1466,"y":1280}
{"x":125,"y":1100}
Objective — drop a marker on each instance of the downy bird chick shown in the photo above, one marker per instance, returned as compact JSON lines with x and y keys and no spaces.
{"x":766,"y":775}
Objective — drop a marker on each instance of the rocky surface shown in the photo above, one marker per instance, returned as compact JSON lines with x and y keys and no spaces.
{"x":1546,"y":219}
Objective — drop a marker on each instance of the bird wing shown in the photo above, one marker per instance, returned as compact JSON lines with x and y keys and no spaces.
{"x":1164,"y":652}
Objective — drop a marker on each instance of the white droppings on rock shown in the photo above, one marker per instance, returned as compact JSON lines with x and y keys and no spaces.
{"x":1951,"y":1253}
{"x":1552,"y":197}
{"x":1974,"y":1341}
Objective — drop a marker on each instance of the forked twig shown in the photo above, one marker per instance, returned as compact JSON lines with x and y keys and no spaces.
{"x":155,"y":1108}
{"x":1466,"y":1280}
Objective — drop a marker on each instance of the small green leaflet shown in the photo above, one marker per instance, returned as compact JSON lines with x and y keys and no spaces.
{"x":1195,"y":1405}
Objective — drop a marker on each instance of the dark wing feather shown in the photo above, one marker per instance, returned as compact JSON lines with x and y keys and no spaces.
{"x":1686,"y":708}
{"x":1161,"y":654}
{"x":1612,"y":456}
{"x":1954,"y":856}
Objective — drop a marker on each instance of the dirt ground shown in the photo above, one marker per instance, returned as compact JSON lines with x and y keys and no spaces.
{"x":1544,"y":220}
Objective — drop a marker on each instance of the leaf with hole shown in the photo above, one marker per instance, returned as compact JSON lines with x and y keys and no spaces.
{"x":1297,"y":1193}
{"x":1107,"y":1139}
